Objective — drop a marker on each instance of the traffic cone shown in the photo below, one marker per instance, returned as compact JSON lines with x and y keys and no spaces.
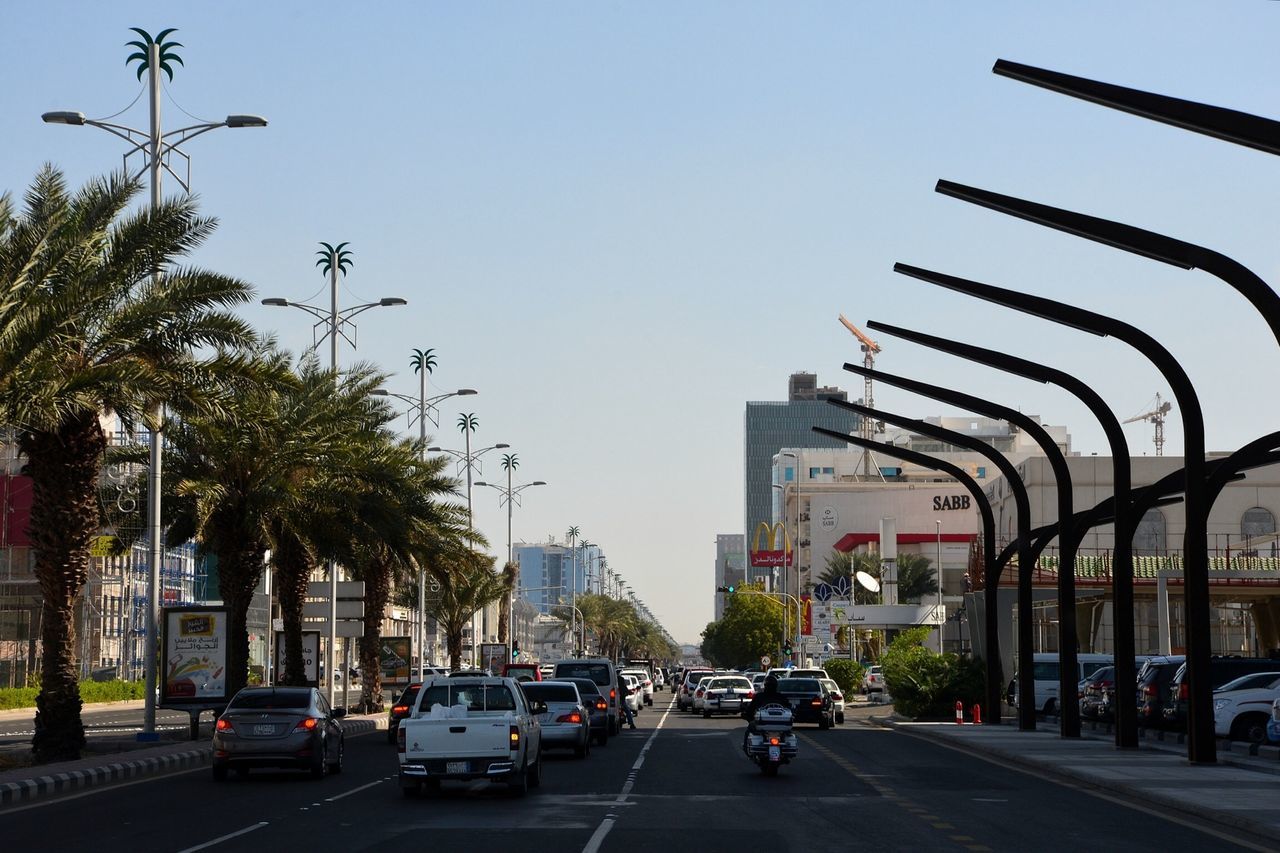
{"x":977,"y":715}
{"x":959,"y":713}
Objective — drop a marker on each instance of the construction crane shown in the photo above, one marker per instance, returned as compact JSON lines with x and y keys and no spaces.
{"x":869,"y":351}
{"x":1155,"y":416}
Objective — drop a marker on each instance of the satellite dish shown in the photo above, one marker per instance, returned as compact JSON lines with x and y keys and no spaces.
{"x":868,"y":582}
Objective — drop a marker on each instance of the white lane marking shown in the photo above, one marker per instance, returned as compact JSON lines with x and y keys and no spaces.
{"x":597,"y":837}
{"x":227,"y":837}
{"x":353,"y":791}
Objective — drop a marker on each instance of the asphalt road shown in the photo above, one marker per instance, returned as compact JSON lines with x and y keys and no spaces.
{"x":102,"y":721}
{"x":678,"y":783}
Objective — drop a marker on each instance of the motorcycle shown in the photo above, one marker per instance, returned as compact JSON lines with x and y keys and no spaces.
{"x":770,"y":742}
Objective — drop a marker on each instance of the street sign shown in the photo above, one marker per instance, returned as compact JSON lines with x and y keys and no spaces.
{"x":310,"y":656}
{"x":765,"y":660}
{"x":320,"y":609}
{"x":346,"y":589}
{"x":842,"y":586}
{"x":823,"y":591}
{"x":346,"y":627}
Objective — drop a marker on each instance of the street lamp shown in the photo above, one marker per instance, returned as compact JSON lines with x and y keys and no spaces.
{"x":510,"y":495}
{"x":156,"y":148}
{"x":425,"y":406}
{"x":334,"y":259}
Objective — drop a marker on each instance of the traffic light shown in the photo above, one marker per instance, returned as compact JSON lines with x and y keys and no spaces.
{"x":729,"y":589}
{"x":786,"y":649}
{"x":515,"y":651}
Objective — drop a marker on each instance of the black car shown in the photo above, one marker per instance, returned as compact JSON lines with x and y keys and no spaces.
{"x":598,"y":706}
{"x":401,"y":709}
{"x":1154,"y":679}
{"x":1221,"y":670}
{"x":810,"y":701}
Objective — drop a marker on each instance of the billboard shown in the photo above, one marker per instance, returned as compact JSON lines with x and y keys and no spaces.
{"x":394,"y":656}
{"x":777,"y":549}
{"x":194,"y":656}
{"x":493,"y":657}
{"x":310,"y":657}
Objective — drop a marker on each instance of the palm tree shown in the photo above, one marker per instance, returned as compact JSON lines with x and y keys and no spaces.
{"x":473,"y":584}
{"x":915,"y":578}
{"x":122,"y":321}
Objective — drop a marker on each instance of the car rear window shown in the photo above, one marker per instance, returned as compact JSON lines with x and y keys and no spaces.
{"x":730,"y":682}
{"x":272,"y":700}
{"x":586,"y":687}
{"x":477,"y":697}
{"x":696,"y":676}
{"x":597,"y":672}
{"x":799,"y":685}
{"x":550,"y":692}
{"x":409,"y":695}
{"x":808,"y":673}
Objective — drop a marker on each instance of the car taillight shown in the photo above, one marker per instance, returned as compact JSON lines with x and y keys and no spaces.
{"x":225,"y":726}
{"x":613,"y":693}
{"x":400,"y":740}
{"x":602,"y":705}
{"x":751,"y":694}
{"x":1150,"y":690}
{"x":399,"y":709}
{"x":307,"y":724}
{"x":817,"y":703}
{"x":839,"y":697}
{"x":515,"y":737}
{"x":572,"y":717}
{"x":1184,"y":690}
{"x":773,"y":741}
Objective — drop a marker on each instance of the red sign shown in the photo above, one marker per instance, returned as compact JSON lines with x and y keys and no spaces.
{"x":806,"y":621}
{"x":771,"y":555}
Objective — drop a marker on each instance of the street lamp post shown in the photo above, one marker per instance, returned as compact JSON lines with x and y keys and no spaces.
{"x":572,"y":535}
{"x":156,"y":147}
{"x":334,"y":259}
{"x":510,"y":495}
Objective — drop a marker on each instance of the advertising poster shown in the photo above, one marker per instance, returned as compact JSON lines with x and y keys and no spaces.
{"x":394,"y":658}
{"x":493,"y":657}
{"x":194,"y":656}
{"x":310,"y":656}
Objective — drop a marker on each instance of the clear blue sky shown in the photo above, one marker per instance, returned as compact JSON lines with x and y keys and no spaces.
{"x":620,"y":221}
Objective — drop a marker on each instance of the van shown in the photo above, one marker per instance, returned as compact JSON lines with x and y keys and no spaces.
{"x":605,"y":675}
{"x":1045,"y":674}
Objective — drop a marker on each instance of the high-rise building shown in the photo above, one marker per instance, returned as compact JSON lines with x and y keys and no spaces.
{"x":771,"y":426}
{"x":547,"y":571}
{"x":731,"y":564}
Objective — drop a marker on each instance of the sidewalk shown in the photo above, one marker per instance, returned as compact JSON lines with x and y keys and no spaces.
{"x":1234,"y":795}
{"x":23,"y":785}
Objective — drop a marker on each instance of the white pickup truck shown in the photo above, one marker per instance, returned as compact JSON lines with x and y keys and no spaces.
{"x":470,"y":728}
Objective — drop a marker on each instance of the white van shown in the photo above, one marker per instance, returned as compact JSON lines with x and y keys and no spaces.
{"x":1046,"y":678}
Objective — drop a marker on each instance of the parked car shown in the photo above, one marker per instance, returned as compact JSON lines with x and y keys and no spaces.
{"x":837,"y":697}
{"x":1154,"y":679}
{"x":1098,"y":696}
{"x":567,"y":721}
{"x":605,"y":675}
{"x":684,"y":696}
{"x":400,"y":709}
{"x":1241,"y":708}
{"x":597,"y":706}
{"x":1273,"y":724}
{"x":873,"y":680}
{"x":278,"y":727}
{"x":1221,"y":671}
{"x":810,"y":701}
{"x":1045,"y":675}
{"x":471,"y":728}
{"x":725,"y":694}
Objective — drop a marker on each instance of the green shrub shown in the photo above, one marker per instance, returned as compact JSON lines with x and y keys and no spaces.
{"x":846,"y":673}
{"x":924,"y":684}
{"x":90,"y":691}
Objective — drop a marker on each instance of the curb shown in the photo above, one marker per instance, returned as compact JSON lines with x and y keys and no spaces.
{"x":1137,"y":795}
{"x":57,"y":783}
{"x":26,"y":790}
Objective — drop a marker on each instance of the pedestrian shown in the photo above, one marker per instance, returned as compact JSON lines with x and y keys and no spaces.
{"x":968,"y":583}
{"x":623,"y":692}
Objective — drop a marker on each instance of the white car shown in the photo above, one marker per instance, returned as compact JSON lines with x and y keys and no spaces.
{"x":1241,"y":708}
{"x":646,"y":683}
{"x":726,"y":694}
{"x":873,"y":680}
{"x":636,"y":695}
{"x":837,"y":697}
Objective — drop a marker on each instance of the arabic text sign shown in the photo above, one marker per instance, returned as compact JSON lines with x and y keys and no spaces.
{"x":194,"y":655}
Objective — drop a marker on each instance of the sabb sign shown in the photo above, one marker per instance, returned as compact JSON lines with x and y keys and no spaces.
{"x":942,"y":503}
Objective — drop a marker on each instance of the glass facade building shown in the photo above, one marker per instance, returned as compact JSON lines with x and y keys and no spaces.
{"x":547,"y":571}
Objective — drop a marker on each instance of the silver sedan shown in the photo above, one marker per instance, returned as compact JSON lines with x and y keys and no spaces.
{"x":278,"y":727}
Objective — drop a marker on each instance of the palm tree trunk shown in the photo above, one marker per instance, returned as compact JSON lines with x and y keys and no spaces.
{"x":239,"y":570}
{"x":377,"y":591}
{"x":454,"y":641}
{"x":293,"y":565}
{"x":64,"y":469}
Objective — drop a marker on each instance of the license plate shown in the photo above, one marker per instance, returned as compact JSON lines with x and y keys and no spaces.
{"x":775,"y":752}
{"x":264,"y":730}
{"x":457,"y":767}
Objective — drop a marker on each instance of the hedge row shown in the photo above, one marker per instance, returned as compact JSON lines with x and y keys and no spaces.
{"x":90,"y":691}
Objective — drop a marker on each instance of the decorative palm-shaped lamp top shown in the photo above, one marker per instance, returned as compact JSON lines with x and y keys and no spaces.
{"x":334,"y":256}
{"x":143,"y":52}
{"x":468,"y":422}
{"x":510,"y":461}
{"x":573,"y":533}
{"x":422,"y":359}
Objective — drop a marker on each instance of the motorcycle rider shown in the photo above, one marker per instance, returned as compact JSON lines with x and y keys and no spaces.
{"x":770,"y":695}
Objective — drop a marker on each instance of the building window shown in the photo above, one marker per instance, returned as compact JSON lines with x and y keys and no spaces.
{"x":1149,"y":537}
{"x":1257,"y":522}
{"x":982,"y":472}
{"x":814,"y":472}
{"x":829,"y":470}
{"x":788,"y":474}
